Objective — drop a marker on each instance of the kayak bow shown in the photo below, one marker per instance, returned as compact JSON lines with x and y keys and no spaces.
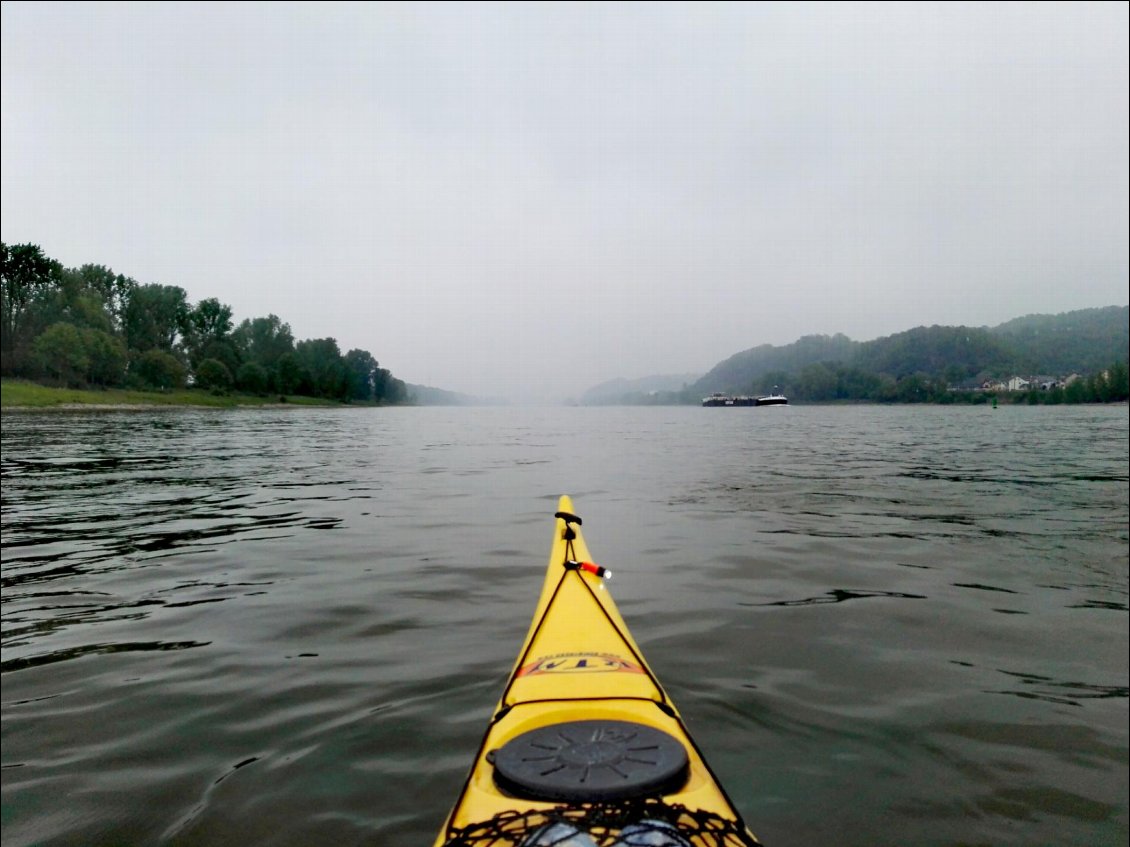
{"x":585,"y":747}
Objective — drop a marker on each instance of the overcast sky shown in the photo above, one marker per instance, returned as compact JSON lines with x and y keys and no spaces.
{"x":527,"y":199}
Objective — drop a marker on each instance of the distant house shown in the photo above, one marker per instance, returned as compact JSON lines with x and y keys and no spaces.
{"x":1018,"y":383}
{"x":993,"y":385}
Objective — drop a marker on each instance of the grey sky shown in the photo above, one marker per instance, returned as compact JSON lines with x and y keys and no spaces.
{"x":527,"y":199}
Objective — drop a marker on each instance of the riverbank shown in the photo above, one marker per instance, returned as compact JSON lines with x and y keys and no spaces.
{"x":21,"y":395}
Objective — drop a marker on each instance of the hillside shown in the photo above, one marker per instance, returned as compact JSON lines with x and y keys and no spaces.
{"x":742,"y":371}
{"x":956,"y":352}
{"x":923,"y":362}
{"x":1083,"y":341}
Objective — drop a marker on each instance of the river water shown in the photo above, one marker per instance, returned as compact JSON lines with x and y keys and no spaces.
{"x":884,"y":626}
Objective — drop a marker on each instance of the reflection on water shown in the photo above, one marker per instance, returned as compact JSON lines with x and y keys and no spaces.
{"x":93,"y":649}
{"x":1068,"y":693}
{"x":288,"y":626}
{"x":839,"y":595}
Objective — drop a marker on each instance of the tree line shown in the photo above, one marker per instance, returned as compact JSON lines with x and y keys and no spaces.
{"x":87,"y":326}
{"x":833,"y":381}
{"x":828,"y":382}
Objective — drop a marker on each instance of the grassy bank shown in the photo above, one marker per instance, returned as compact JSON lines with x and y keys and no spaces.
{"x":21,"y":394}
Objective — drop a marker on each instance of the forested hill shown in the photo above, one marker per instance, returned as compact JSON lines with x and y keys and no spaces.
{"x":89,"y":326}
{"x":738,"y":373}
{"x":1083,"y":342}
{"x":925,"y":363}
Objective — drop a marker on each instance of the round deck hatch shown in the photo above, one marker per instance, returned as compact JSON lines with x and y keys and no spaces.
{"x":583,"y":761}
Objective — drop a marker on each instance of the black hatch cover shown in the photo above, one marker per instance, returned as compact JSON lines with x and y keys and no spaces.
{"x":583,"y":761}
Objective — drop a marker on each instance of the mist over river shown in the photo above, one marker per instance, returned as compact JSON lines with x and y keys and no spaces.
{"x":883,"y":625}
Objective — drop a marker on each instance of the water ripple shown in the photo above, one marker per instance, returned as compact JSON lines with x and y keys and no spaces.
{"x":11,"y":665}
{"x":359,"y":581}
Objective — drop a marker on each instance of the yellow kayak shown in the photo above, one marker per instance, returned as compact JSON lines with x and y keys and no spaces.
{"x":585,"y":748}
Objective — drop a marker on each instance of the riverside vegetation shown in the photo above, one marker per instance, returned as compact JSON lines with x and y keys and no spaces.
{"x":91,"y":329}
{"x":24,"y":394}
{"x":1076,"y":357}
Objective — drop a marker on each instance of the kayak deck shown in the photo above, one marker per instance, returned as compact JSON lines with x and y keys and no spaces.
{"x":584,"y":746}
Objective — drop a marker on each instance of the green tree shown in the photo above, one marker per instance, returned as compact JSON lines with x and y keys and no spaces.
{"x":71,"y":300}
{"x":817,"y":382}
{"x":213,"y":374}
{"x":1096,"y":388}
{"x":91,"y":296}
{"x":222,"y":350}
{"x":1109,"y":386}
{"x":362,"y":369}
{"x":252,"y":378}
{"x":60,"y":353}
{"x":211,"y":319}
{"x":159,"y":369}
{"x":856,"y":384}
{"x":327,"y":373}
{"x":886,"y":391}
{"x":1076,"y":392}
{"x":263,"y":340}
{"x":107,"y":357}
{"x":207,"y":328}
{"x":1118,"y":381}
{"x":389,"y":389}
{"x":288,"y":374}
{"x":915,"y":388}
{"x":113,"y":290}
{"x":268,"y":342}
{"x":27,"y":276}
{"x":155,"y":318}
